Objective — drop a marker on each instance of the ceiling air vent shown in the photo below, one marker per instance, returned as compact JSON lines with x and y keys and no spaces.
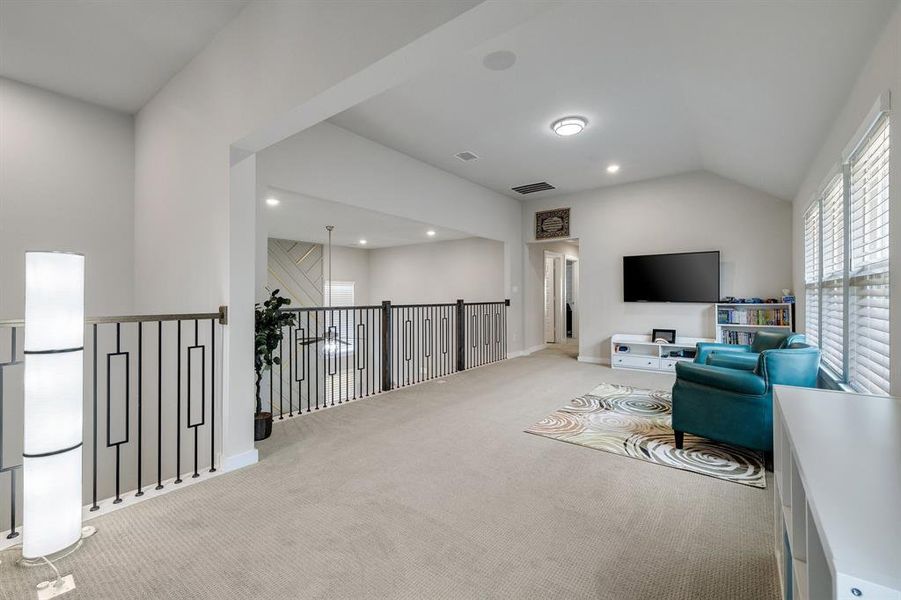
{"x":466,"y":156}
{"x":531,"y":188}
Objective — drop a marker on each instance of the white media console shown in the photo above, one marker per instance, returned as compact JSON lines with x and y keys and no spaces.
{"x":646,"y":354}
{"x":837,"y":475}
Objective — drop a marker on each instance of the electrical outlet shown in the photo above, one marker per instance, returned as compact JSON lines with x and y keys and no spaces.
{"x":50,"y":589}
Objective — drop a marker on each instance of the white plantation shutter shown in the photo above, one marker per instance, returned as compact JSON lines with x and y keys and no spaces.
{"x":832,"y":294}
{"x":812,"y":273}
{"x":869,"y":360}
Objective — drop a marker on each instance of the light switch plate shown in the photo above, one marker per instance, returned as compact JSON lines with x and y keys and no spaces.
{"x":53,"y":591}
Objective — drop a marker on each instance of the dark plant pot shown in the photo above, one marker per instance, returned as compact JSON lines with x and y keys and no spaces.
{"x":262,"y":426}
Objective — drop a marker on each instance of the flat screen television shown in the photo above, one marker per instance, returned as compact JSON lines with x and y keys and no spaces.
{"x":684,"y":277}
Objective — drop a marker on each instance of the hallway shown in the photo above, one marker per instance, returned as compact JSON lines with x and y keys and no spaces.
{"x":435,"y":491}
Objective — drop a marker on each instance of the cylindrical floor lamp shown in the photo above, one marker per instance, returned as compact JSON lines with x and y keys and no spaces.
{"x":54,"y":369}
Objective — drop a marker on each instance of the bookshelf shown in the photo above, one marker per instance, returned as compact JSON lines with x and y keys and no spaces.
{"x":739,"y":323}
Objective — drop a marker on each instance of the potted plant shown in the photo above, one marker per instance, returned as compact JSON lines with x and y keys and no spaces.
{"x":270,"y":321}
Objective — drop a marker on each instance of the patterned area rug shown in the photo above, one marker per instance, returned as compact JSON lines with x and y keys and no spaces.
{"x":637,"y":423}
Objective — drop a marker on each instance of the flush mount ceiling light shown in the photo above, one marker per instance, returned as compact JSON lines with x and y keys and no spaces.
{"x":430,"y":233}
{"x":569,"y":126}
{"x":362,"y":242}
{"x":613,"y":168}
{"x":272,"y":201}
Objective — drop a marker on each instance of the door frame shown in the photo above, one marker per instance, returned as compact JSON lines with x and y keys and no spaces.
{"x":560,"y":308}
{"x":576,"y":292}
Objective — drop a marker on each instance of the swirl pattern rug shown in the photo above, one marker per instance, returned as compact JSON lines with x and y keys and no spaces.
{"x":637,"y":423}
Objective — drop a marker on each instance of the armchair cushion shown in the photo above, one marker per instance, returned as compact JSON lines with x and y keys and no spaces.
{"x":724,"y":378}
{"x":768,"y":340}
{"x":746,"y":361}
{"x":704,"y":349}
{"x":797,"y":365}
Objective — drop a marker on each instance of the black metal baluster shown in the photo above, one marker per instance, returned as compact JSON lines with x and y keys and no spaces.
{"x":212,"y":395}
{"x":140,"y":404}
{"x":271,"y":392}
{"x":315,"y":351}
{"x":159,"y":406}
{"x":203,"y":392}
{"x":339,"y":352}
{"x":12,"y":470}
{"x":281,"y":376}
{"x":94,"y":505}
{"x":506,"y":306}
{"x":178,"y":407}
{"x":290,"y":371}
{"x":306,"y":357}
{"x":12,"y":504}
{"x":109,"y":407}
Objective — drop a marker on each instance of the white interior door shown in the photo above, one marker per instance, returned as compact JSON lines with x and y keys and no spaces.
{"x":550,"y":300}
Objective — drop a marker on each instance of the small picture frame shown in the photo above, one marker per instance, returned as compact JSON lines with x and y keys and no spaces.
{"x":666,"y":335}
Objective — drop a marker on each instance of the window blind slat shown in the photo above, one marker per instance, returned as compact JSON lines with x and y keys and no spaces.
{"x":868,"y":313}
{"x":812,"y":273}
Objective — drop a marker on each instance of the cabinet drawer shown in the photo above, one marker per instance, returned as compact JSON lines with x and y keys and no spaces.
{"x":636,"y":361}
{"x":668,"y":364}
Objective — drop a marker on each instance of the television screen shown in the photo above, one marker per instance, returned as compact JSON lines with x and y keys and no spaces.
{"x":686,"y":277}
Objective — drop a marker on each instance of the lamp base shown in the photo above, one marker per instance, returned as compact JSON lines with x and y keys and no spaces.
{"x":86,"y":532}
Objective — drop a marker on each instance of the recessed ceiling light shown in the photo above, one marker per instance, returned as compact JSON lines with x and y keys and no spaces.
{"x":272,"y":201}
{"x":430,"y":233}
{"x":614,"y":168}
{"x":569,"y":126}
{"x":362,"y":242}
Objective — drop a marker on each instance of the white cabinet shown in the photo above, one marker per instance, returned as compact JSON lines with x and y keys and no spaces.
{"x":837,"y":495}
{"x":634,"y":351}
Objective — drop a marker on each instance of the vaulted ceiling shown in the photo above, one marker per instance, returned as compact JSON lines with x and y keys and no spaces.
{"x":746,"y":90}
{"x":116,"y":53}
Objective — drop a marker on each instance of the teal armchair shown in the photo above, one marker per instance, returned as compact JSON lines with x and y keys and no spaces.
{"x":736,"y":405}
{"x":743,"y":356}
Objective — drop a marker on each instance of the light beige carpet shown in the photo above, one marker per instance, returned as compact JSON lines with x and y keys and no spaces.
{"x":637,"y":423}
{"x":433,"y":492}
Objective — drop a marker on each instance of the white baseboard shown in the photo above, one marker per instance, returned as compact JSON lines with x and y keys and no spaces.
{"x":239,"y":461}
{"x":595,"y":360}
{"x":534,"y":349}
{"x":107,"y":505}
{"x":527,"y":351}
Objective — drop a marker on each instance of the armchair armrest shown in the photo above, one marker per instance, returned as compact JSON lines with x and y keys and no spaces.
{"x":705,"y":348}
{"x":733,"y":380}
{"x":734,"y":360}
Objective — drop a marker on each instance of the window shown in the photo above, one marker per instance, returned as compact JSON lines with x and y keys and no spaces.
{"x":341,"y":293}
{"x":339,"y":386}
{"x":868,"y":317}
{"x":812,"y":273}
{"x":832,"y":289}
{"x":846,"y":266}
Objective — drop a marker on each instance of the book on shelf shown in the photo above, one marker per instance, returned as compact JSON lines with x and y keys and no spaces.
{"x":738,"y":337}
{"x":764,"y":317}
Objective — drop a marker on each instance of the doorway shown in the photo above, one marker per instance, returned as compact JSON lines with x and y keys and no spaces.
{"x":554,"y":306}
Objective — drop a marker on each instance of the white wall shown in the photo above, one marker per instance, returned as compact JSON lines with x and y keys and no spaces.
{"x":352,"y":264}
{"x":690,"y":212}
{"x":195,"y":241}
{"x":471,"y":269}
{"x":882,"y":72}
{"x":66,"y":183}
{"x":331,"y":163}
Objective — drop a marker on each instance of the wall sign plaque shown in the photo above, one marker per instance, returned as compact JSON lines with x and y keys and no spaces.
{"x":552,"y":224}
